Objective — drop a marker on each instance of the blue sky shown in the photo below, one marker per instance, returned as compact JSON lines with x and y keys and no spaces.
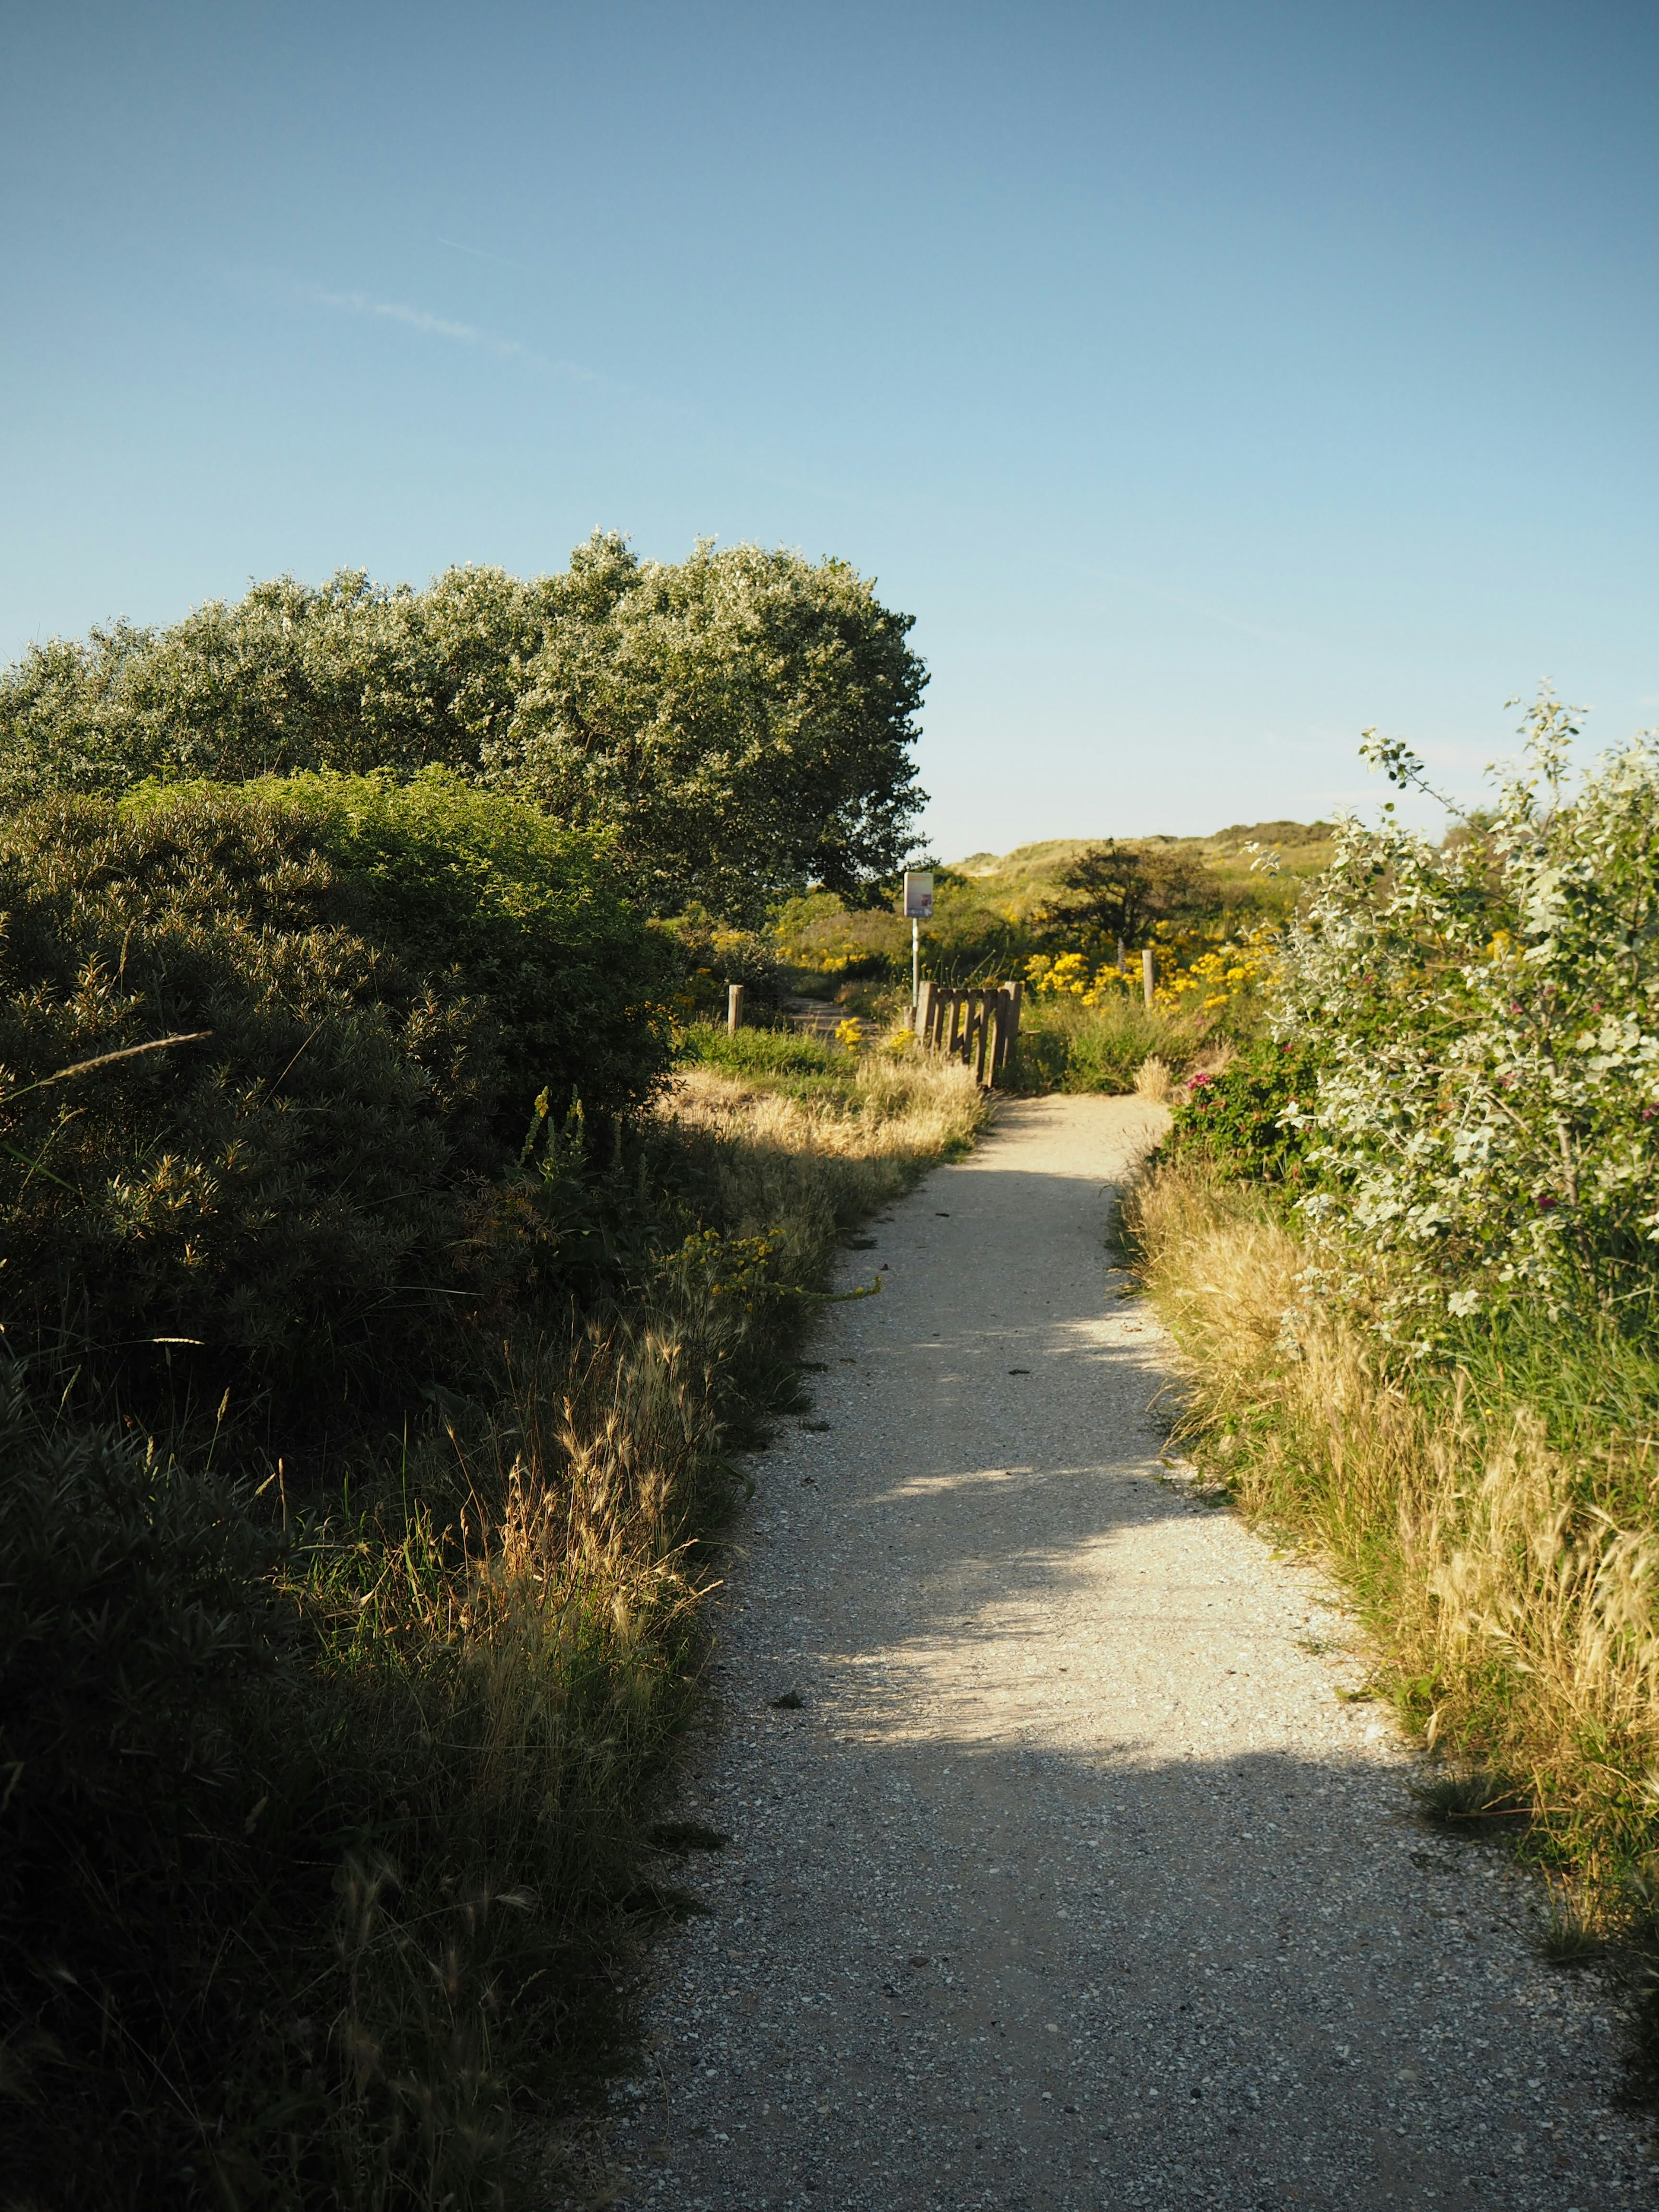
{"x":1210,"y":381}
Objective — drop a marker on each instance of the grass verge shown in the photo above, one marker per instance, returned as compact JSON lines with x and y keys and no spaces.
{"x":1066,"y":1046}
{"x":329,"y":1820}
{"x":1496,"y":1519}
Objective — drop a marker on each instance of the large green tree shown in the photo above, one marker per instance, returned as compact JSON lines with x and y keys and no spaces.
{"x":743,"y":718}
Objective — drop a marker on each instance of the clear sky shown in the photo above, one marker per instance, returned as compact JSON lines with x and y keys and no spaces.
{"x":1208,"y":381}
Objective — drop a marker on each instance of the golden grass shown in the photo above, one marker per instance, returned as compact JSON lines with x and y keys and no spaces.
{"x":1514,"y":1618}
{"x":853,"y":1145}
{"x":531,"y":1627}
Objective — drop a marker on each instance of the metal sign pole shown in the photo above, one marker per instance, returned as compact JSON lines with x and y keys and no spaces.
{"x":919,"y":907}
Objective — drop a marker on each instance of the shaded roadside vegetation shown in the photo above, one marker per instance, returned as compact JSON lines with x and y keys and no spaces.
{"x":1407,"y":1241}
{"x":383,"y":1316}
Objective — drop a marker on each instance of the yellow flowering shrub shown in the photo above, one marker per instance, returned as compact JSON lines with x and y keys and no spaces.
{"x":1188,"y":969}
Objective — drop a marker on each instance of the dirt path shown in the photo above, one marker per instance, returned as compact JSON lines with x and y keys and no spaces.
{"x":1071,"y":1881}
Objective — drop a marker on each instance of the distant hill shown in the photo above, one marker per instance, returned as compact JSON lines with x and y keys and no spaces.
{"x":1050,"y":855}
{"x":1016,"y":881}
{"x":988,"y":907}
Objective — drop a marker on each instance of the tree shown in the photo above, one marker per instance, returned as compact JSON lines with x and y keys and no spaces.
{"x":1118,"y":892}
{"x":743,"y":718}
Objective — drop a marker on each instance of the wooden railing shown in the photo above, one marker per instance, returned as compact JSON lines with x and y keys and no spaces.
{"x":979,"y":1026}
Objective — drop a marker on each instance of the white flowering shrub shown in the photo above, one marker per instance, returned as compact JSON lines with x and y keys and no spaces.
{"x":1487,"y":1014}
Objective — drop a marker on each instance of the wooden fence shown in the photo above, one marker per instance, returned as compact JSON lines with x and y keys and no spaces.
{"x":979,"y":1026}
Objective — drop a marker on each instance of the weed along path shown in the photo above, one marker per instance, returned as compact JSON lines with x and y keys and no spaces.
{"x":1059,"y":1872}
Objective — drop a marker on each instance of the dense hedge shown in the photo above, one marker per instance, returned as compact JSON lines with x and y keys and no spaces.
{"x":285,"y":1205}
{"x":158,"y":1769}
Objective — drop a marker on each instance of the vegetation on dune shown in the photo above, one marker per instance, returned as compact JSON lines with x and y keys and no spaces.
{"x":383,"y":1313}
{"x":742,"y":720}
{"x":373,"y":982}
{"x":991,"y":914}
{"x":1056,"y":915}
{"x":395,"y":1252}
{"x":1408,"y":1243}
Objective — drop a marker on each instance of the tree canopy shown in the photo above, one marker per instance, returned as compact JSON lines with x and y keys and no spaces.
{"x":1113,"y":892}
{"x":743,"y":718}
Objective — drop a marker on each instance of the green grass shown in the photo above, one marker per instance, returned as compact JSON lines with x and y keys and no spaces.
{"x":1066,"y":1046}
{"x":762,"y":1054}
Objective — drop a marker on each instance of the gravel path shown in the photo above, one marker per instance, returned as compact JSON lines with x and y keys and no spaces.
{"x":1072,"y":1879}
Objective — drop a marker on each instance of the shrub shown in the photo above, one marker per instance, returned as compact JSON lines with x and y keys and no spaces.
{"x":743,"y":717}
{"x":1237,"y":1118}
{"x":714,"y":957}
{"x":287,"y":1205}
{"x":157,"y":1783}
{"x":477,"y":890}
{"x":308,"y":1855}
{"x":1490,"y":1054}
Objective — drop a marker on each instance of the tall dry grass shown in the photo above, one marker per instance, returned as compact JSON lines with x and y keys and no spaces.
{"x":1510,"y":1586}
{"x":851,"y":1146}
{"x":355,"y":1918}
{"x":537,"y":1619}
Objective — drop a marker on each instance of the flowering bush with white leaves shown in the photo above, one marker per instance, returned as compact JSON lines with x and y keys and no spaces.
{"x":1488,"y":1017}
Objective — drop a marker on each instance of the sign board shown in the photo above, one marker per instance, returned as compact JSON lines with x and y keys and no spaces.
{"x":917,"y":895}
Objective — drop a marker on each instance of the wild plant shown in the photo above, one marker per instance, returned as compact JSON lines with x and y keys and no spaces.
{"x":1488,"y":1017}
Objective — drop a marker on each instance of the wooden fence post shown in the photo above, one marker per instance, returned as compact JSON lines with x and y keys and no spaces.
{"x":1149,"y":974}
{"x":990,"y":1011}
{"x":924,"y":1013}
{"x":733,"y":1008}
{"x":1008,"y":1005}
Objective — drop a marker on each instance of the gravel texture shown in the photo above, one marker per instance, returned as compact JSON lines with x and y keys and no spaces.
{"x":1073,"y":1878}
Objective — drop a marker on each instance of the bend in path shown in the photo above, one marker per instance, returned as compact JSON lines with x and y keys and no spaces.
{"x":1071,"y":1881}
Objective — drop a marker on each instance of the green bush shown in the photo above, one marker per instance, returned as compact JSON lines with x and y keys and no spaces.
{"x":743,"y":718}
{"x":1485,"y":1016}
{"x":713,"y":958}
{"x":155,"y":1768}
{"x":299,"y":1875}
{"x":1235,"y":1119}
{"x":476,"y":890}
{"x":289,"y":1208}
